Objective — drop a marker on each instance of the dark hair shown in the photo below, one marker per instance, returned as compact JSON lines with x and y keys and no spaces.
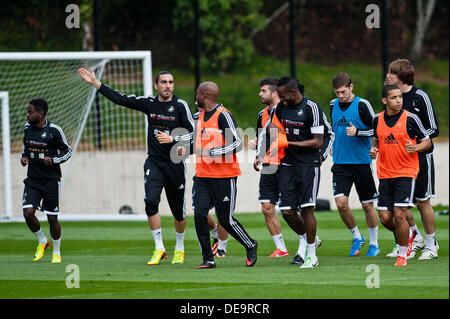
{"x":291,"y":84}
{"x":404,"y":69}
{"x":341,"y":79}
{"x":159,"y":74}
{"x":271,"y":82}
{"x":387,"y":88}
{"x":288,"y":82}
{"x":40,"y":105}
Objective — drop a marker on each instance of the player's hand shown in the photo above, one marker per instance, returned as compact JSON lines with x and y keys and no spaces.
{"x":48,"y":161}
{"x":24,"y":161}
{"x":410,"y":147}
{"x":373,"y":152}
{"x":252,"y":144}
{"x":256,"y":164}
{"x":351,"y":130}
{"x":163,"y":138}
{"x":89,"y":77}
{"x":181,"y":150}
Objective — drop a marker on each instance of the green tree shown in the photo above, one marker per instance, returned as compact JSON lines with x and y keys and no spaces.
{"x":226,"y":26}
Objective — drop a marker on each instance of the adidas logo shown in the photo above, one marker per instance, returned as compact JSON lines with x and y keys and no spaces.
{"x":342,"y":122}
{"x":390,"y":139}
{"x":226,"y":199}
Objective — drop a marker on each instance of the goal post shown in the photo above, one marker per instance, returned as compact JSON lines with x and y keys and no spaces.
{"x":95,"y":179}
{"x":6,"y":149}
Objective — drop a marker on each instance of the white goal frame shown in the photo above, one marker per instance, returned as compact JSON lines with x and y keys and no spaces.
{"x":4,"y":100}
{"x":145,"y":56}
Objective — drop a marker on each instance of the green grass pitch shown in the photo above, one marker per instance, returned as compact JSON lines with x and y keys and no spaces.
{"x":111,"y":258}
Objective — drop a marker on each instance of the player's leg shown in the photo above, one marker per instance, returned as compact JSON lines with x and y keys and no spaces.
{"x":401,"y":233}
{"x":289,"y":188}
{"x":424,"y":192}
{"x":307,"y":195}
{"x":202,"y":200}
{"x":268,"y":197}
{"x":272,"y":222}
{"x":424,"y":189}
{"x":430,"y":250}
{"x":175,"y":187}
{"x":385,"y":209}
{"x":212,"y":226}
{"x":274,"y":227}
{"x":342,"y":184}
{"x":223,"y":191}
{"x":223,"y":240}
{"x":50,"y":205}
{"x":153,"y":185}
{"x":372,"y":225}
{"x":32,"y":196}
{"x":403,"y":192}
{"x":55,"y":231}
{"x":367,"y":192}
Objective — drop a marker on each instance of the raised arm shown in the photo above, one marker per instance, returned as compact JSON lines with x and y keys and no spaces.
{"x":128,"y":101}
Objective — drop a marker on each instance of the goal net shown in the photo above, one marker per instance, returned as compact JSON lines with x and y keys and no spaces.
{"x":108,"y":141}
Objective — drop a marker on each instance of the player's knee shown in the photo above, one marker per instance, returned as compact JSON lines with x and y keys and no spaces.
{"x":421,"y":204}
{"x":52,"y":219}
{"x":29,"y":212}
{"x":200,"y":219}
{"x":179,"y":217}
{"x":151,"y":207}
{"x":288,"y":213}
{"x":342,"y":205}
{"x":268,"y":209}
{"x":384,"y":217}
{"x":400,"y":214}
{"x":368,"y":208}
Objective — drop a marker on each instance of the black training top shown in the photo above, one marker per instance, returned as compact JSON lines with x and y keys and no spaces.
{"x":161,"y":116}
{"x":300,"y":123}
{"x":46,"y":141}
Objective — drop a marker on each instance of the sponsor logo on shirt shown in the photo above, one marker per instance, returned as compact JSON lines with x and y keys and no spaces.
{"x":342,"y":122}
{"x":390,"y":139}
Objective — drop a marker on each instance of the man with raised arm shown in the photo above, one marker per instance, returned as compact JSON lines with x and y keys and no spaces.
{"x":166,"y":113}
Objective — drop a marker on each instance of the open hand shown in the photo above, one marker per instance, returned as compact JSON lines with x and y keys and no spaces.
{"x":89,"y":77}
